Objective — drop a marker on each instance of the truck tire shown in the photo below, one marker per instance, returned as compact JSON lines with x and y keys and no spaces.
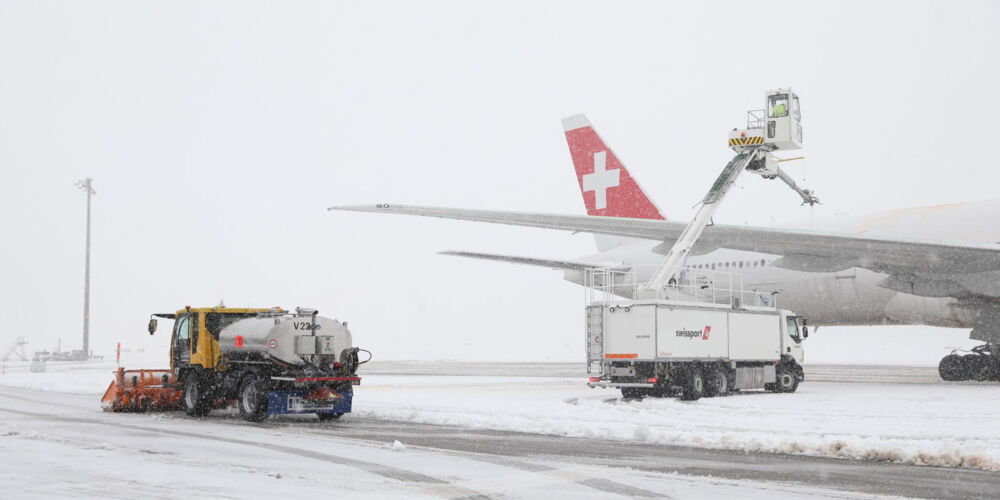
{"x":716,"y":382}
{"x":951,"y":368}
{"x":195,"y":397}
{"x":787,"y":381}
{"x":326,"y":417}
{"x":694,"y":385}
{"x":252,"y":399}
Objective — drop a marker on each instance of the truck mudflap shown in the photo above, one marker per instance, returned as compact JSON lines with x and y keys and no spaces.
{"x":321,"y":400}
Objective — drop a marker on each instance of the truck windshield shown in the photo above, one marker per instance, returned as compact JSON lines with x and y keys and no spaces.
{"x":792,"y":327}
{"x":215,"y":322}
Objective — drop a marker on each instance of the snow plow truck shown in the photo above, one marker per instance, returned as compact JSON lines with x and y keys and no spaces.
{"x":266,"y":361}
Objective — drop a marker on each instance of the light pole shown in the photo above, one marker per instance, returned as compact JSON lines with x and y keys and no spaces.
{"x":87,"y":185}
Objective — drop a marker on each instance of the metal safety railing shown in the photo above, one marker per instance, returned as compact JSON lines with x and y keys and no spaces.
{"x":610,"y":285}
{"x":755,"y":118}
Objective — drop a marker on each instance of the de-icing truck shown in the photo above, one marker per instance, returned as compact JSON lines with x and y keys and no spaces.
{"x":270,"y":361}
{"x":702,"y":336}
{"x":693,"y":331}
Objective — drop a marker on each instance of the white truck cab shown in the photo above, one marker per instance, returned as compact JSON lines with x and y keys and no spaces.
{"x":796,"y":331}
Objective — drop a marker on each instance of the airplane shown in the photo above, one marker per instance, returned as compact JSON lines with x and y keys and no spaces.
{"x":935,"y":265}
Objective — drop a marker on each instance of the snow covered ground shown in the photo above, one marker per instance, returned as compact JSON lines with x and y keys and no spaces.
{"x":58,"y":445}
{"x":942,"y":425}
{"x":950,"y":425}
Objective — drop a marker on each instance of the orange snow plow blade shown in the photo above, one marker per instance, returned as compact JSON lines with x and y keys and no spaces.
{"x":142,"y":390}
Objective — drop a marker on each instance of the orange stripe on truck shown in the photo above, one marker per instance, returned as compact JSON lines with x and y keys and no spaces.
{"x":620,"y":356}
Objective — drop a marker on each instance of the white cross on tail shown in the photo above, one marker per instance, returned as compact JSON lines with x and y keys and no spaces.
{"x":601,"y":180}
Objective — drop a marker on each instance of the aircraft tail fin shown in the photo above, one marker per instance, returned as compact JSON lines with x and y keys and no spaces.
{"x":605,"y":184}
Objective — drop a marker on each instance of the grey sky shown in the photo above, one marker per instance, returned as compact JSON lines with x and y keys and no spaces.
{"x":218,"y":132}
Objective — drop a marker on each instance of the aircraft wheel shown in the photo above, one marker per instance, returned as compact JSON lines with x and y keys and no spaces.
{"x":951,"y":368}
{"x":979,"y":367}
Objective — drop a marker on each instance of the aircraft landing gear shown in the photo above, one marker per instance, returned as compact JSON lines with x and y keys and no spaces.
{"x":981,"y":364}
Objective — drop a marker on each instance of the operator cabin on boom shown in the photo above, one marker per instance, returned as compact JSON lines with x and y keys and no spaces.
{"x":781,"y":130}
{"x":697,"y":331}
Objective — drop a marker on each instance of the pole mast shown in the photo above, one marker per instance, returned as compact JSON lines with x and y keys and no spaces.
{"x":87,"y":185}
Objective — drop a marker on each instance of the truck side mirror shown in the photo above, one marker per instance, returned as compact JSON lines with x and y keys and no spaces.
{"x":152,"y":326}
{"x":805,"y":332}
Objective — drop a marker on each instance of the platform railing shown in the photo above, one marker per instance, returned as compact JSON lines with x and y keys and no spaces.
{"x":755,"y":118}
{"x":626,"y":285}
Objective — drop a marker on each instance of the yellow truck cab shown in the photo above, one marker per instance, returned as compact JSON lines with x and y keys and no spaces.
{"x":195,"y":337}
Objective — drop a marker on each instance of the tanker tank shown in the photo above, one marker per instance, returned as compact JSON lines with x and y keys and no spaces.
{"x":301,"y":339}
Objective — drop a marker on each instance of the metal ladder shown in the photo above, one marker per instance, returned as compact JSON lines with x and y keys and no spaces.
{"x":595,"y":337}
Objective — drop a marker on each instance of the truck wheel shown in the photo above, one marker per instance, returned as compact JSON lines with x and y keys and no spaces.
{"x":951,"y":368}
{"x":787,"y":381}
{"x":716,"y":382}
{"x":326,"y":417}
{"x":694,"y":385}
{"x":195,"y":400}
{"x":252,"y":399}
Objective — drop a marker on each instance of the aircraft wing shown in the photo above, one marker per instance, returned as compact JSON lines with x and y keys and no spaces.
{"x":574,"y":265}
{"x":800,"y":249}
{"x":619,"y":226}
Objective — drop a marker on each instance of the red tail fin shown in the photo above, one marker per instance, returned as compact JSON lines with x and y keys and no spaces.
{"x":605,"y":184}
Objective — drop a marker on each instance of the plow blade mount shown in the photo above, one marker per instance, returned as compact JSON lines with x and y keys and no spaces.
{"x":142,"y":390}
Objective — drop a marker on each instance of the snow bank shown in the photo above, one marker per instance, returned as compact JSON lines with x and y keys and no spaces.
{"x":939,"y":425}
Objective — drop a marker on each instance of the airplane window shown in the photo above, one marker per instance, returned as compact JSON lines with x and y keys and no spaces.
{"x":741,"y":264}
{"x":762,"y":262}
